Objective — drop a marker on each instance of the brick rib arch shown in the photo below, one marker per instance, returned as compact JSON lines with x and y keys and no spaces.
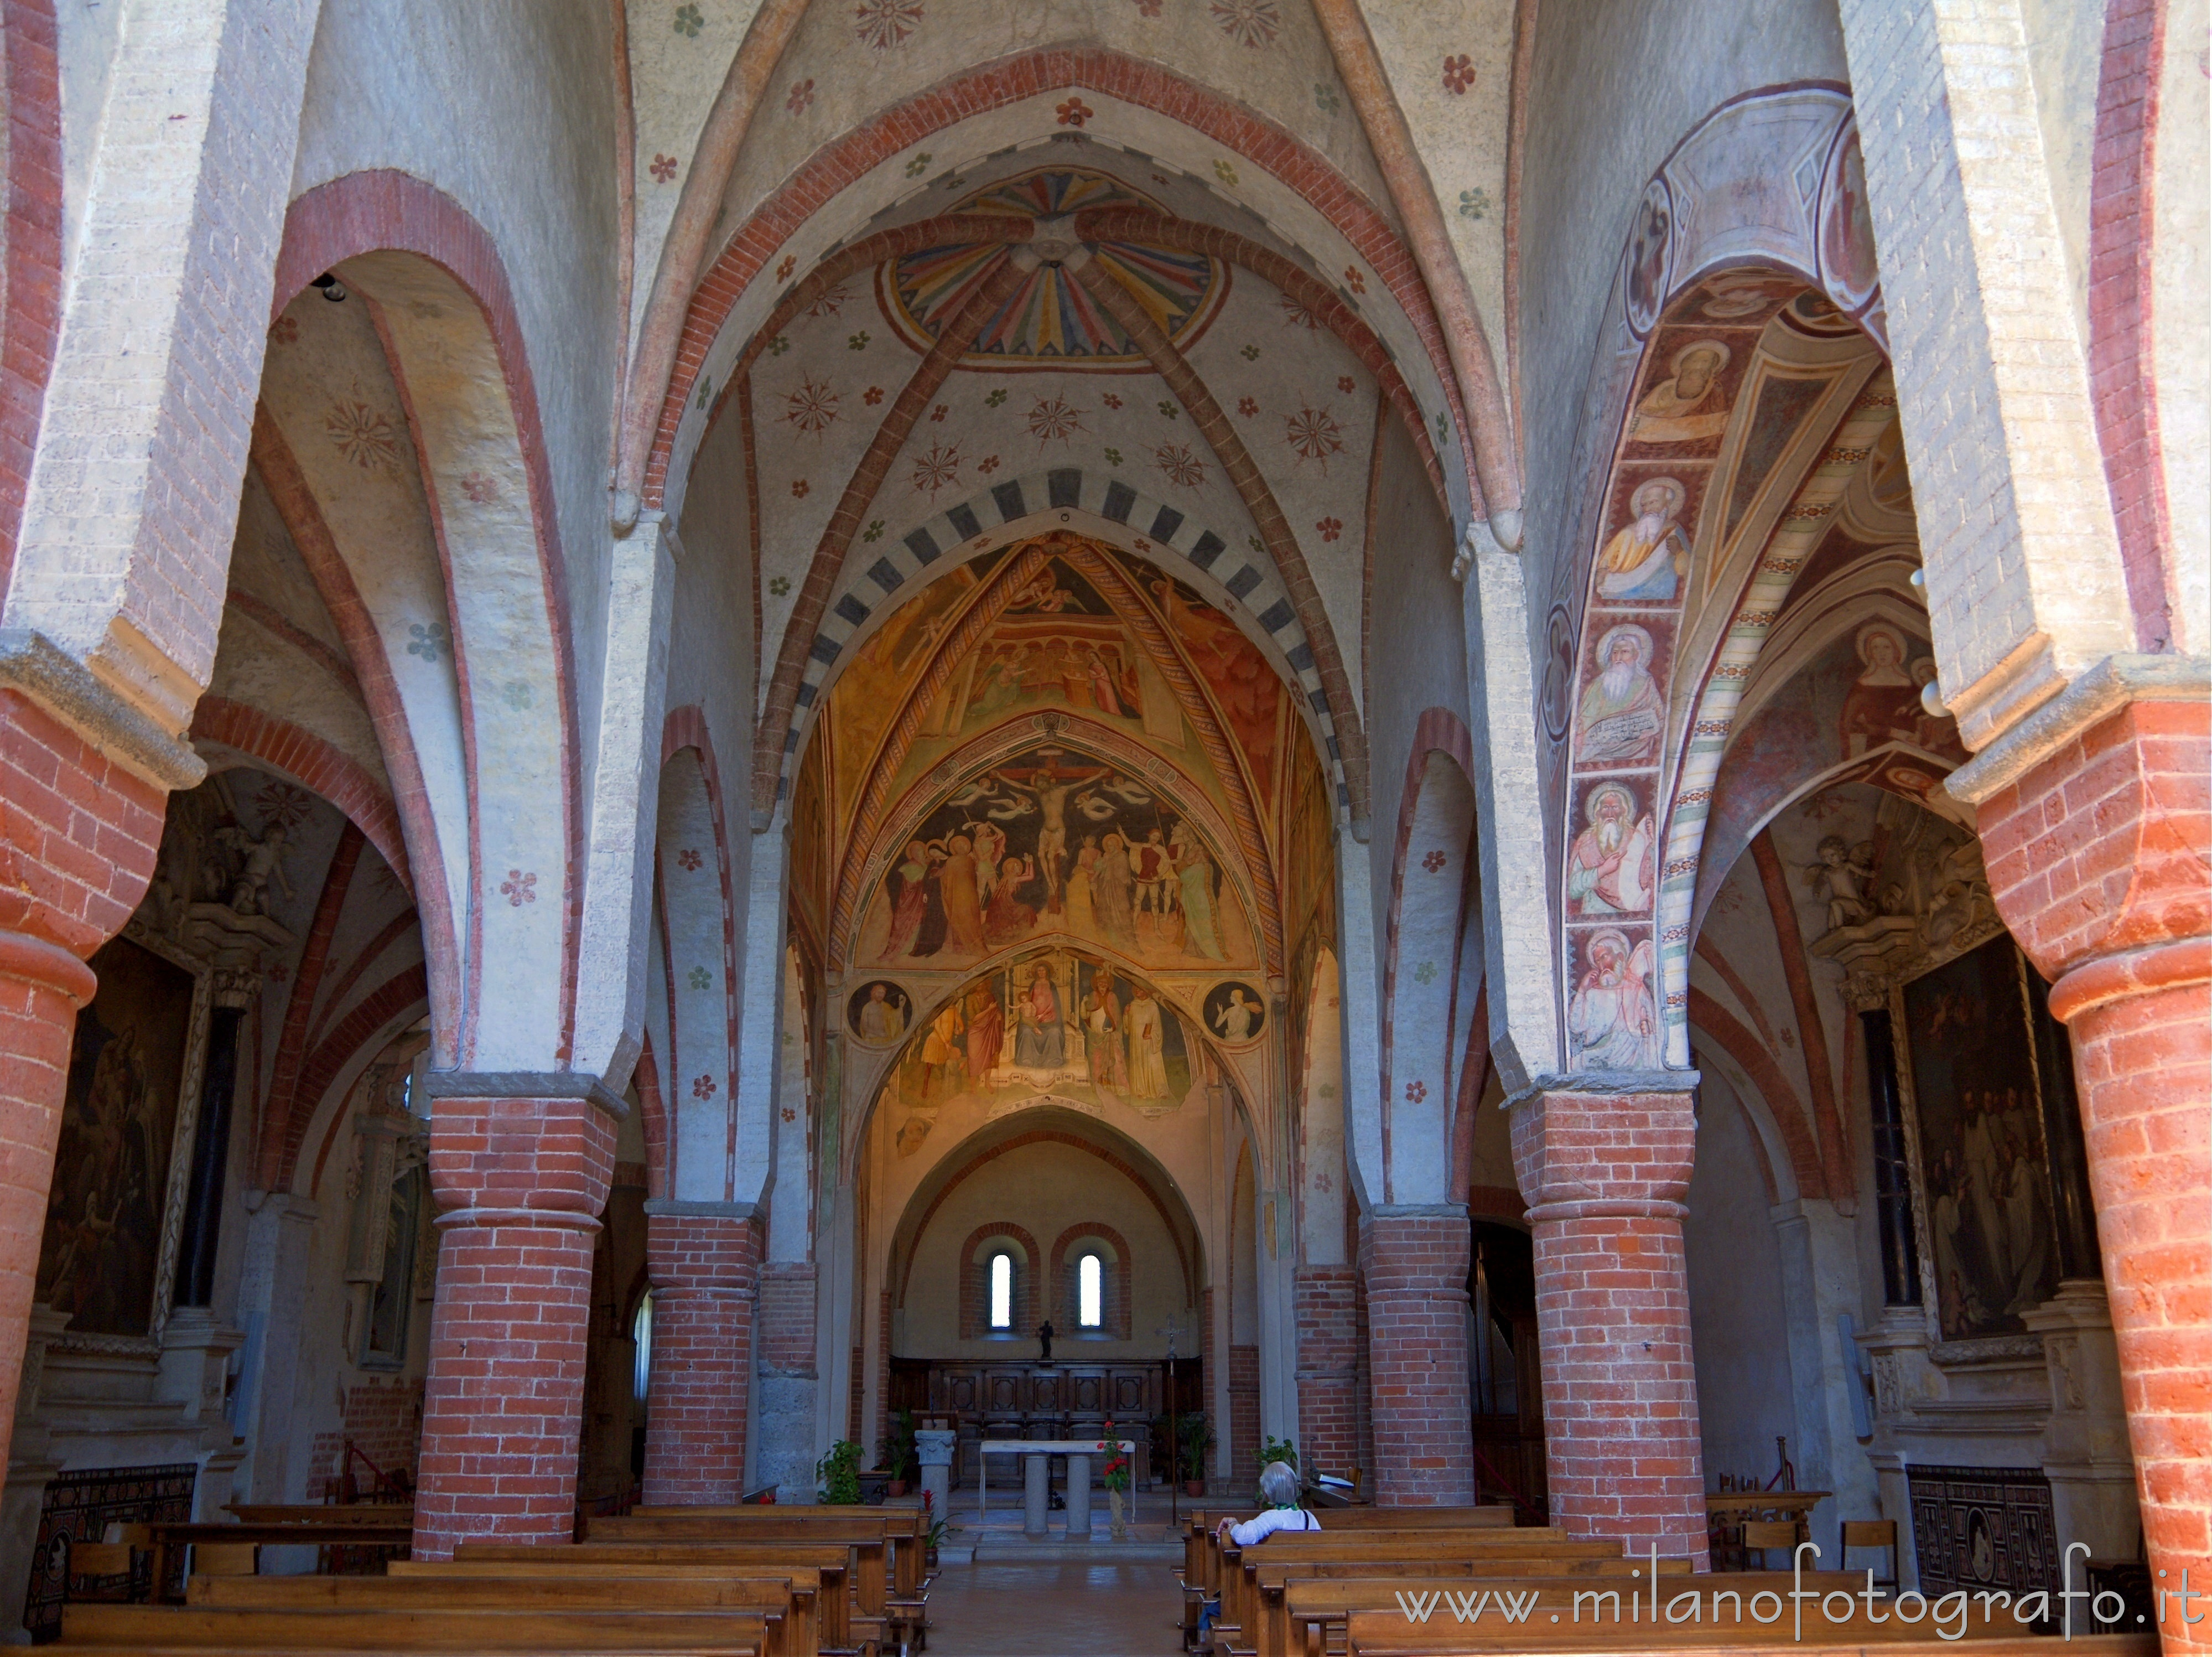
{"x":373,"y":215}
{"x":314,"y":764}
{"x":400,"y":995}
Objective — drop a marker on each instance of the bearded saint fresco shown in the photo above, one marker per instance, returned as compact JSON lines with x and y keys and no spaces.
{"x":1647,"y":557}
{"x":1622,"y":712}
{"x":1610,"y":872}
{"x":1612,"y":1018}
{"x":1057,"y":1026}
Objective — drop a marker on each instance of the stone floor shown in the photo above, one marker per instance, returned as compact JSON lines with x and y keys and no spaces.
{"x":1056,"y":1611}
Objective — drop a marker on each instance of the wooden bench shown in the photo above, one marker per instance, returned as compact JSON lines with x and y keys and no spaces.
{"x":246,"y":1629}
{"x":900,"y":1532}
{"x":793,"y":1596}
{"x":850,"y":1607}
{"x":1203,"y":1545}
{"x":1532,"y":1549}
{"x":1337,"y":1584}
{"x":1306,"y":1617}
{"x":1390,"y":1636}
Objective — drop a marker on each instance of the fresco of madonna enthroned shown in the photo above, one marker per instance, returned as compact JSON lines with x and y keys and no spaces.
{"x":1054,"y":1025}
{"x":1056,"y":841}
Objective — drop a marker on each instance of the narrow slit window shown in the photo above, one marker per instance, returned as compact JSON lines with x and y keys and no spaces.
{"x":1089,"y":1295}
{"x":1002,"y":1291}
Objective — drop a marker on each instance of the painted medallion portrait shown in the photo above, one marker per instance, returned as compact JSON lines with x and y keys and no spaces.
{"x":879,"y":1012}
{"x":1235,"y":1014}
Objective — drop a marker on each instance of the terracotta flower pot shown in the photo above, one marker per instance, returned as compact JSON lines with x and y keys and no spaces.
{"x":898,"y":1486}
{"x":1194,"y":1487}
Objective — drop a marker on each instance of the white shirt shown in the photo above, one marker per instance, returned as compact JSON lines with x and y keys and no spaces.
{"x":1275,"y":1519}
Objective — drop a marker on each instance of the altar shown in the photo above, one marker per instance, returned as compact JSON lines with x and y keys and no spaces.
{"x":1036,"y":1479}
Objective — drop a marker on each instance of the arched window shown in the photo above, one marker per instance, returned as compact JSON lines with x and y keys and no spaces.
{"x":1090,"y":1292}
{"x":1002,"y":1292}
{"x":640,"y":1332}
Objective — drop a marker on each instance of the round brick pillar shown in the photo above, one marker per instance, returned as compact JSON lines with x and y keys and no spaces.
{"x":41,"y":987}
{"x":522,"y":1182}
{"x":1415,"y":1262}
{"x":78,"y":837}
{"x":1605,"y":1174}
{"x":2097,"y":861}
{"x":704,"y":1262}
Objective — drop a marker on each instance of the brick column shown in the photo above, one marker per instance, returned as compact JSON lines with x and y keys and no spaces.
{"x":78,"y":835}
{"x":1415,"y":1262}
{"x":1328,"y":1368}
{"x":521,"y":1174}
{"x":2097,"y":859}
{"x":1604,"y":1175}
{"x":704,"y":1259}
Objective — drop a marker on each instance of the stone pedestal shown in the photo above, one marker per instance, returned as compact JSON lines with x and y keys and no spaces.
{"x":933,"y":1448}
{"x":1036,"y":1494}
{"x":1078,"y":1495}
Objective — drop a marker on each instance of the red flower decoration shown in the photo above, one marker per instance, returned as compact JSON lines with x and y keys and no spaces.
{"x":790,"y":262}
{"x":1110,"y":400}
{"x":1459,"y":73}
{"x":873,"y":395}
{"x":801,"y":95}
{"x":1346,"y":384}
{"x":703,"y":1088}
{"x":1417,"y":1091}
{"x":1248,"y":406}
{"x":939,"y":412}
{"x":1074,"y":113}
{"x":798,"y":487}
{"x":988,"y":465}
{"x":688,"y":858}
{"x":1353,"y":280}
{"x":663,"y":167}
{"x":1434,"y":860}
{"x":1330,"y":529}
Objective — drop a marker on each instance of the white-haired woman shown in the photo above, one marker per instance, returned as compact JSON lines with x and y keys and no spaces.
{"x":1279,"y":1489}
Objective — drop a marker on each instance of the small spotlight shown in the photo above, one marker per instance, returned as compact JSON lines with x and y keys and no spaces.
{"x":332,"y":289}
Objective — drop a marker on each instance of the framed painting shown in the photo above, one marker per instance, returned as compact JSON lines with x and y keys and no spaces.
{"x":1973,"y":1091}
{"x":108,"y":1255}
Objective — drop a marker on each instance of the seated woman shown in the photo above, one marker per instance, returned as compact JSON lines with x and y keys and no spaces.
{"x":1279,"y":1489}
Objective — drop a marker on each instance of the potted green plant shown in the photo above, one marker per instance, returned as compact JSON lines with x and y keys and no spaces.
{"x":1197,"y":1443}
{"x":839,"y":1473}
{"x":934,"y":1537}
{"x":895,"y":1454}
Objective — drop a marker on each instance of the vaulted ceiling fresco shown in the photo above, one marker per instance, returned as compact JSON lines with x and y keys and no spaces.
{"x":1056,"y":742}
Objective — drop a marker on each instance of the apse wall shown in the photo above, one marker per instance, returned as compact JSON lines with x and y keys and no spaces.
{"x":1044,"y":1189}
{"x":511,"y":111}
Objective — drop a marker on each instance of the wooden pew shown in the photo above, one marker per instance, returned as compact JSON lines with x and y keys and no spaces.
{"x":1338,"y":1583}
{"x":850,"y":1621}
{"x":1388,"y":1634}
{"x":322,"y":1513}
{"x":1306,"y":1617}
{"x":1201,"y":1580}
{"x":1536,"y":1550}
{"x":247,"y":1629}
{"x":900,"y":1530}
{"x":794,"y":1596}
